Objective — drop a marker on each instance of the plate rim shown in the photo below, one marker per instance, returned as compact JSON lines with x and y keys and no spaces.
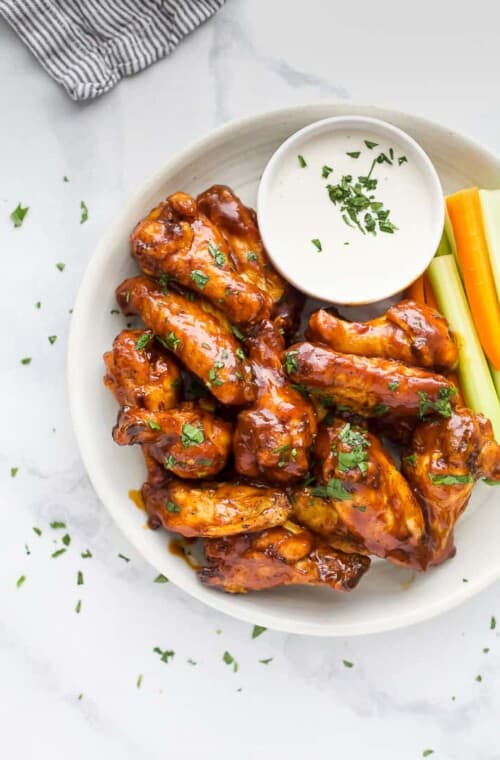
{"x":222,"y":602}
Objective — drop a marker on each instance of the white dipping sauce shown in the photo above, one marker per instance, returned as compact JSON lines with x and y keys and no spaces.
{"x":295,"y":209}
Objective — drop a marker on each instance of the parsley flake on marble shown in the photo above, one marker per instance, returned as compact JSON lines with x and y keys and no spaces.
{"x":19,"y":214}
{"x":229,"y":660}
{"x":258,"y":630}
{"x":84,"y":212}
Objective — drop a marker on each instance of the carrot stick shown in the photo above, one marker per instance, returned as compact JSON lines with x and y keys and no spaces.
{"x":464,"y":210}
{"x":416,"y":290}
{"x":430,"y":298}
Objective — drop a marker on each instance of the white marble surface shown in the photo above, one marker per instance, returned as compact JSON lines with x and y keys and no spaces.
{"x":409,"y":690}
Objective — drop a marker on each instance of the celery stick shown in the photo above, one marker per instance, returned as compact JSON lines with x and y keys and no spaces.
{"x":448,"y":228}
{"x":495,"y":373}
{"x":490,"y":207}
{"x":473,"y":371}
{"x":444,"y":245}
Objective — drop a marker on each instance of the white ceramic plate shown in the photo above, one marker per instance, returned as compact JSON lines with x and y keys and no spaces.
{"x":387,"y":597}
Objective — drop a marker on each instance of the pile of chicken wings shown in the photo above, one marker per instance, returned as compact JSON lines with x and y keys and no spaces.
{"x":271,"y":450}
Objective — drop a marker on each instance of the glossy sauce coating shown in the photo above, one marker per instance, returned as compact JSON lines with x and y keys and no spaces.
{"x":376,"y":507}
{"x":215,"y":509}
{"x":187,"y":441}
{"x":202,"y":342}
{"x":279,"y":557}
{"x":177,"y":240}
{"x":238,"y":224}
{"x":273,"y":437}
{"x":144,"y":377}
{"x":370,"y":387}
{"x":459,"y":448}
{"x":408,"y":331}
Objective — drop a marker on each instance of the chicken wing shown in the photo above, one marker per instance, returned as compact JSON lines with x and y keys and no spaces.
{"x":370,"y":387}
{"x":188,"y":441}
{"x":273,"y":437}
{"x":214,"y":509}
{"x":139,"y":373}
{"x":238,"y":225}
{"x":442,"y":464}
{"x":198,"y":338}
{"x":279,"y":557}
{"x":176,"y":240}
{"x":408,"y":331}
{"x":362,"y":500}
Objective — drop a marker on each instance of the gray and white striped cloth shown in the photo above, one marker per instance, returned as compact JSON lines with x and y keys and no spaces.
{"x":89,"y":45}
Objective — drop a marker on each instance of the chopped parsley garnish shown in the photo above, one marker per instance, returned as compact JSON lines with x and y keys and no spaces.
{"x":479,"y":679}
{"x":20,"y":581}
{"x":326,"y":171}
{"x":442,"y":404}
{"x":52,"y":339}
{"x":291,"y":364}
{"x":266,"y":661}
{"x":114,"y":311}
{"x":26,"y":360}
{"x":138,"y":683}
{"x":450,"y":480}
{"x":252,"y":256}
{"x":353,"y":438}
{"x":359,"y":507}
{"x":237,"y":333}
{"x":124,"y":558}
{"x":38,"y":305}
{"x":427,"y":752}
{"x":199,"y":279}
{"x":14,"y":471}
{"x":410,"y":460}
{"x":380,"y":409}
{"x":161,"y":578}
{"x":171,"y":507}
{"x":218,"y":256}
{"x":493,"y":623}
{"x":169,"y":462}
{"x":57,"y":525}
{"x":240,"y":354}
{"x":143,"y":341}
{"x":348,"y":663}
{"x":393,"y":386}
{"x":370,"y":145}
{"x":65,"y":179}
{"x":172,"y":342}
{"x":229,"y":660}
{"x":213,"y":376}
{"x":77,"y":610}
{"x":302,"y":161}
{"x":203,"y":461}
{"x":354,"y":154}
{"x":18,"y":215}
{"x":153,"y":425}
{"x":85,"y":212}
{"x":37,"y":530}
{"x":61,"y":266}
{"x":402,"y":160}
{"x":258,"y":630}
{"x":191,"y":435}
{"x":86,"y":554}
{"x":79,"y":578}
{"x":333,"y":490}
{"x":58,"y":553}
{"x":66,"y":539}
{"x":190,"y":661}
{"x":165,"y":654}
{"x":486,"y":650}
{"x":350,"y":459}
{"x":164,"y":283}
{"x":317,"y":244}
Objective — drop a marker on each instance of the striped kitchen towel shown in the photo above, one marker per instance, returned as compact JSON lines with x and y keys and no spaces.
{"x":89,"y":45}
